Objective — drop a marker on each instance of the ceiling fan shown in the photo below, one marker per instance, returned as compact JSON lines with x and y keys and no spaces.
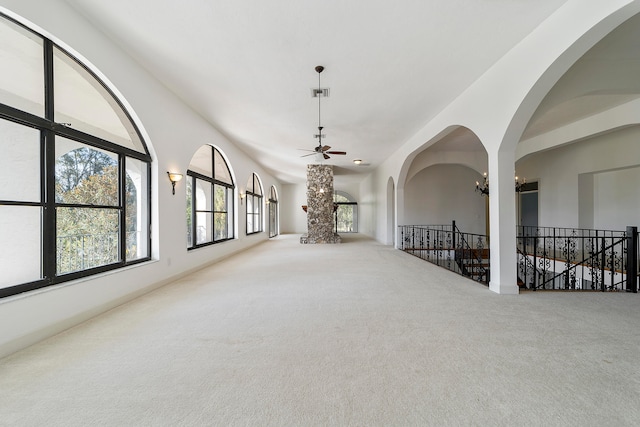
{"x":321,"y":149}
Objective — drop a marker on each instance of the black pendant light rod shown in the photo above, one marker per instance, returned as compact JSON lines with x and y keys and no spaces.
{"x":319,"y":69}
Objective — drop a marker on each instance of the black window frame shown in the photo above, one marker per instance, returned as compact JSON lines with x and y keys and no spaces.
{"x":229,"y":188}
{"x":49,"y":131}
{"x":273,"y":212}
{"x":256,"y":200}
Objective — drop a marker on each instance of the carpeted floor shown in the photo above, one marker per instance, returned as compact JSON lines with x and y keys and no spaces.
{"x":357,"y":334}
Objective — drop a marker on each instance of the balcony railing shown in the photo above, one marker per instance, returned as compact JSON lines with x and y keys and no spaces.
{"x":577,"y":259}
{"x":547,"y":258}
{"x":446,"y":246}
{"x":79,"y":252}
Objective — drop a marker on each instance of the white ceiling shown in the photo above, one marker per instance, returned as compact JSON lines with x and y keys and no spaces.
{"x":247,"y":66}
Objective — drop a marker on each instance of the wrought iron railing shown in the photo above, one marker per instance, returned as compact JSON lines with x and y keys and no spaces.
{"x":577,"y":259}
{"x":83,"y":251}
{"x":547,"y":257}
{"x":446,"y":246}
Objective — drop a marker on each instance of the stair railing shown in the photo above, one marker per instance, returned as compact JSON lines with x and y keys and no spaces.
{"x":469,"y":257}
{"x":578,"y":259}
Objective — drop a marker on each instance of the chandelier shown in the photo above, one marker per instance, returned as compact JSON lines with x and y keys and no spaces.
{"x":483,"y":188}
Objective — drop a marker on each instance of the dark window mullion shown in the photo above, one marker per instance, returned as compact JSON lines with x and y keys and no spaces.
{"x":193,"y":212}
{"x":96,"y":142}
{"x":48,"y":171}
{"x":80,"y":205}
{"x":122,"y":202}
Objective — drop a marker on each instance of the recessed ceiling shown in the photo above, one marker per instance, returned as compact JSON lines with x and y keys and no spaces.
{"x":248,"y":66}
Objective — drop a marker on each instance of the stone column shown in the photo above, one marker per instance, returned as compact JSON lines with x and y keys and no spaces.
{"x":320,"y":216}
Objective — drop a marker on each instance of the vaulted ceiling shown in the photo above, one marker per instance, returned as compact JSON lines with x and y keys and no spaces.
{"x":247,"y":66}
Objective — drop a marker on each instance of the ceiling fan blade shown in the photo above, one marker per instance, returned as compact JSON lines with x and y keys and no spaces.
{"x":325,"y":148}
{"x":325,"y":156}
{"x":341,"y":153}
{"x":310,"y":154}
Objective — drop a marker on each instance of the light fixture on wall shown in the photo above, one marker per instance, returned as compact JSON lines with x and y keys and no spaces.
{"x":242,"y":196}
{"x":520,"y":185}
{"x":174,"y":177}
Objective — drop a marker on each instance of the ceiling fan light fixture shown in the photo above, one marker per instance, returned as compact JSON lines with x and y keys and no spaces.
{"x":357,"y":161}
{"x":321,"y":152}
{"x":320,"y":92}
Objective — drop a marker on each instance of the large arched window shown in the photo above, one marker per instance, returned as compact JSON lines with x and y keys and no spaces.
{"x":273,"y":212}
{"x":75,"y":170}
{"x":346,"y":213}
{"x":254,"y":205}
{"x":209,"y":199}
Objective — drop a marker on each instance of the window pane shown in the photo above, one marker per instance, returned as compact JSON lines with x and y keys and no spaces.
{"x":203,"y":227}
{"x":20,"y":231}
{"x":19,"y":162}
{"x":85,"y":175}
{"x":230,"y":207}
{"x":249,"y":204}
{"x":202,"y":162}
{"x":22,"y":69}
{"x":249,"y":223}
{"x":222,"y":170}
{"x":137,"y":212}
{"x":346,"y":219}
{"x":84,"y":103}
{"x":221,"y":226}
{"x":220,"y":198}
{"x":257,"y":188}
{"x":203,"y":195}
{"x":86,"y":238}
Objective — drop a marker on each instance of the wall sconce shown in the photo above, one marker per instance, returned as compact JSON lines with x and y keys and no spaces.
{"x":174,"y":177}
{"x":242,"y":196}
{"x":520,"y":184}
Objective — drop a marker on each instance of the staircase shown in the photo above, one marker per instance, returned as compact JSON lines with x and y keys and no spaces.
{"x":474,"y":264}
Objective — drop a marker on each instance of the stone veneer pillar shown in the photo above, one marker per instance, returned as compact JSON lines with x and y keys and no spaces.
{"x":320,"y":216}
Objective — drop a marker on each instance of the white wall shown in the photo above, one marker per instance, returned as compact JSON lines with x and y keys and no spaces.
{"x":497,"y":107}
{"x":601,"y":174}
{"x":293,"y":220}
{"x":442,"y":193}
{"x":173,"y":132}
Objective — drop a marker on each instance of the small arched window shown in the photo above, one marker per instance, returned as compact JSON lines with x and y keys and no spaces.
{"x":346,"y":213}
{"x":274,"y":226}
{"x":78,"y":203}
{"x":209,"y":199}
{"x":254,"y":205}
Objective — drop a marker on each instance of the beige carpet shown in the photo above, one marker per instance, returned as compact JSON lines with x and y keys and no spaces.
{"x":357,"y":334}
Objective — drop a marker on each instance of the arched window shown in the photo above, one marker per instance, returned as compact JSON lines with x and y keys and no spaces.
{"x":209,"y":199}
{"x":254,"y":205}
{"x":273,"y":212}
{"x":346,"y":213}
{"x":76,"y":171}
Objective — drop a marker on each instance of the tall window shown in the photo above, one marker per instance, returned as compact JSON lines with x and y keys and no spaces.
{"x":273,"y":212}
{"x":209,"y":199}
{"x":346,"y":213}
{"x":254,"y":205}
{"x":76,"y":172}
